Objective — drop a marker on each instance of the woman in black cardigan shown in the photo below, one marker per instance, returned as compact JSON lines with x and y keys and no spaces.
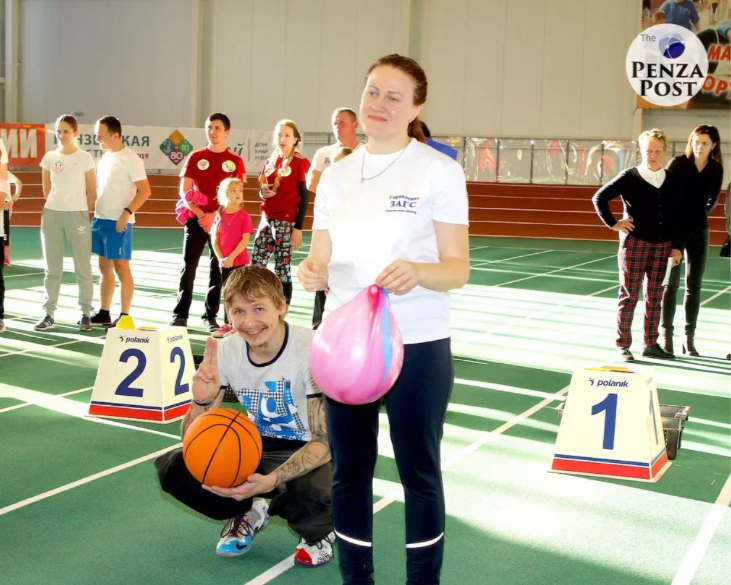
{"x":700,"y":173}
{"x":648,"y":237}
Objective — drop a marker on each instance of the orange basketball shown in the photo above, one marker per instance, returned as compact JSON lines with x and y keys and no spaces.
{"x":222,"y":448}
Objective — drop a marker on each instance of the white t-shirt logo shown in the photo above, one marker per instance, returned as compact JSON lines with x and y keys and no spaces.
{"x":229,"y":166}
{"x":203,"y":164}
{"x":402,"y":203}
{"x":57,"y":167}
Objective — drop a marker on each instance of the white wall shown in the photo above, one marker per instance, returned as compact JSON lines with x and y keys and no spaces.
{"x":136,"y":59}
{"x":506,"y":68}
{"x":264,"y":60}
{"x":527,"y":68}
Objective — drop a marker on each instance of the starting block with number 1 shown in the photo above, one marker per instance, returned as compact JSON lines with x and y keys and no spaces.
{"x":144,"y":374}
{"x":611,"y":425}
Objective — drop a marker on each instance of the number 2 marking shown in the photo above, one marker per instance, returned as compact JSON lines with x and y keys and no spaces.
{"x":608,"y":405}
{"x":125,"y":388}
{"x":179,"y":388}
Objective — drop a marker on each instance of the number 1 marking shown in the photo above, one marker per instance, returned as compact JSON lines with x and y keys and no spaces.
{"x":608,"y":405}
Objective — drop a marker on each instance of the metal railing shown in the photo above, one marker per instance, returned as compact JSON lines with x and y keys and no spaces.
{"x":561,"y":161}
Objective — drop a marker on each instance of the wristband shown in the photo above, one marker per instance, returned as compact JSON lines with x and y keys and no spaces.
{"x":202,"y":403}
{"x":128,"y":210}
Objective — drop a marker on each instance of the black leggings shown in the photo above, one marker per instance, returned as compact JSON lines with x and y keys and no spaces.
{"x":696,"y":254}
{"x":416,"y":407}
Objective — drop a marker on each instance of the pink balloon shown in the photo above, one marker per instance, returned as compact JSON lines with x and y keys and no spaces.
{"x":357,"y":353}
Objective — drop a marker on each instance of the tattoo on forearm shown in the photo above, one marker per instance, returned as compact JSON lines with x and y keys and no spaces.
{"x":313,"y":454}
{"x":189,"y":418}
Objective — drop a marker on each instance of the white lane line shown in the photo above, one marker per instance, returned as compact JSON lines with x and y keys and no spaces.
{"x":479,"y":336}
{"x":555,"y":271}
{"x":482,"y":263}
{"x":24,"y":404}
{"x":85,"y":480}
{"x":718,"y":294}
{"x":689,"y":566}
{"x":43,"y":347}
{"x":80,"y":410}
{"x":26,"y":274}
{"x":286,"y":564}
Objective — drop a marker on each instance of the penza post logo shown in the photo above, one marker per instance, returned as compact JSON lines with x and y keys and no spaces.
{"x":667,"y":65}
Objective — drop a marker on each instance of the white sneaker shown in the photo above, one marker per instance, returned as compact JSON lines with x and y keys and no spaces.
{"x":2,"y":325}
{"x":314,"y":554}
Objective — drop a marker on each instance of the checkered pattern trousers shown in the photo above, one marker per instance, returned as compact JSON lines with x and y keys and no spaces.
{"x":640,"y":263}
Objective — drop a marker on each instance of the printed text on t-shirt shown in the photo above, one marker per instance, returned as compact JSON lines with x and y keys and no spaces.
{"x":402,"y":203}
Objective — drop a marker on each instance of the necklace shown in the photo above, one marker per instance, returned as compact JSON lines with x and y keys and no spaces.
{"x":362,"y":164}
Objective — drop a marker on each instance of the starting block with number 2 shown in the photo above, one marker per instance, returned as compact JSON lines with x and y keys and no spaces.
{"x":144,"y":374}
{"x":611,"y":425}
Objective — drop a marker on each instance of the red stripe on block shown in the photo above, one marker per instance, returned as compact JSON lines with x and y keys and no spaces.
{"x":121,"y":412}
{"x":660,"y":463}
{"x":592,"y":467}
{"x":177,"y":411}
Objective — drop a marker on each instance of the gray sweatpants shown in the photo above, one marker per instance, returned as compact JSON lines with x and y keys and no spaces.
{"x":73,"y":227}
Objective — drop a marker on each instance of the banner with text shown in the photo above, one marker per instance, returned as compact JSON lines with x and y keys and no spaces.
{"x":165,"y":148}
{"x":26,"y":143}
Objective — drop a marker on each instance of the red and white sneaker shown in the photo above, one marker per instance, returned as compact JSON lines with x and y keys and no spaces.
{"x":223,"y":331}
{"x":314,"y":554}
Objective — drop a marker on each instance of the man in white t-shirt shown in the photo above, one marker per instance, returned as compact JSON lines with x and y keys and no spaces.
{"x":122,"y":188}
{"x":4,"y":192}
{"x":345,"y":126}
{"x":267,"y":367}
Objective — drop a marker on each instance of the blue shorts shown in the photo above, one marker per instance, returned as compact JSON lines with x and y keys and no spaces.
{"x":108,"y":243}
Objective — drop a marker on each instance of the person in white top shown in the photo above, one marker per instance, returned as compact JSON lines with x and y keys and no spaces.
{"x":7,"y":214}
{"x":395,"y":213}
{"x":345,"y":126}
{"x":4,"y":205}
{"x":123,"y":188}
{"x":69,"y":188}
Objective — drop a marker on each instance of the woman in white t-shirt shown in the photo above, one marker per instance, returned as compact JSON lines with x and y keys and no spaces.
{"x":394,"y":213}
{"x":69,"y":187}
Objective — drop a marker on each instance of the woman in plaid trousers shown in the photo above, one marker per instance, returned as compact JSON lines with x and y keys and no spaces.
{"x":649,"y":235}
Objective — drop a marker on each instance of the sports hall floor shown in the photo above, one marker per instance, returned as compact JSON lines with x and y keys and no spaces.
{"x":79,"y":502}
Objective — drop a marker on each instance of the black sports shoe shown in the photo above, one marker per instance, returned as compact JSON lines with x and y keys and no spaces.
{"x":655,"y":351}
{"x":112,"y":323}
{"x":210,"y":324}
{"x":100,"y":319}
{"x":179,"y":322}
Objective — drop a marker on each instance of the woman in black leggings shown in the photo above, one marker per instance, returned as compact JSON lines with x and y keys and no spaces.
{"x":395,"y":214}
{"x":700,"y":173}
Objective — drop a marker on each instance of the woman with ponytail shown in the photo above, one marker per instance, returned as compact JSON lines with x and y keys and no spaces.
{"x":285,"y":195}
{"x":395,"y":214}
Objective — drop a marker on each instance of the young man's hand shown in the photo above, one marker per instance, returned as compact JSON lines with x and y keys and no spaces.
{"x":254,"y":485}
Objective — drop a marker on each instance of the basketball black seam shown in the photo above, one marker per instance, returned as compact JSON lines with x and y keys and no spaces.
{"x":199,"y":434}
{"x":213,"y":455}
